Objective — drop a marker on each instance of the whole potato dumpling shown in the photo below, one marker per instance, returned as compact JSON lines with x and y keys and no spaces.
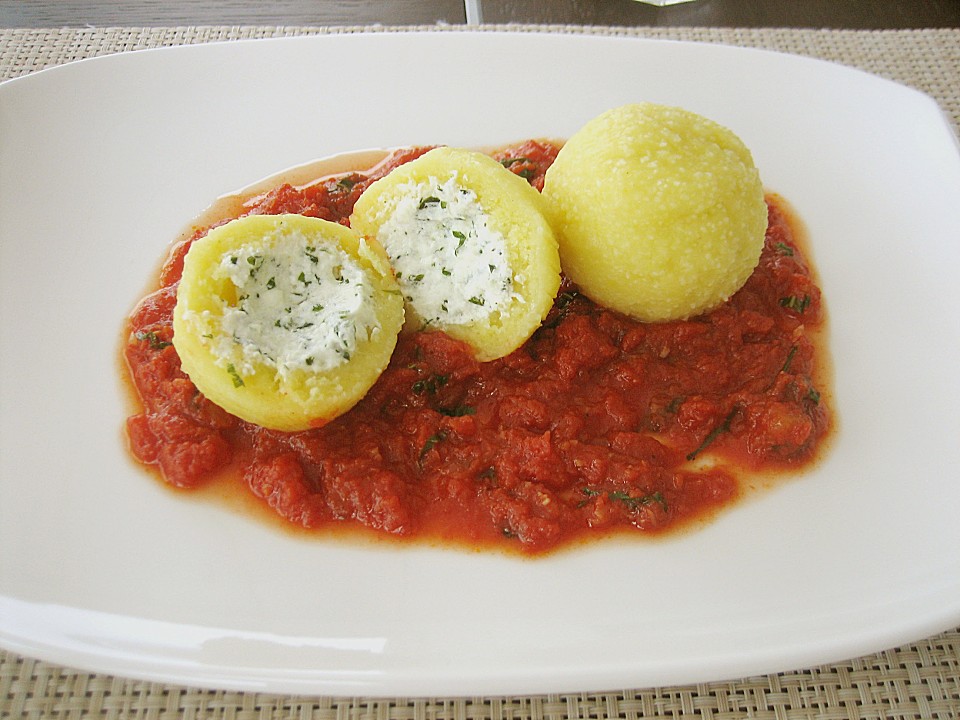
{"x":285,"y":321}
{"x":473,"y":252}
{"x":659,"y":212}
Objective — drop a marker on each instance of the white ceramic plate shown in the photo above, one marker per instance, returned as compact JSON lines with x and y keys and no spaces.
{"x":102,"y":163}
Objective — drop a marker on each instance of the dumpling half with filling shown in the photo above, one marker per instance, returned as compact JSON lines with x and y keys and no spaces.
{"x":470,"y":245}
{"x":286,"y":321}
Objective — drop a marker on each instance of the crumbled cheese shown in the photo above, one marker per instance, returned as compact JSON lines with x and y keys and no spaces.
{"x":299,"y":305}
{"x":452,"y":266}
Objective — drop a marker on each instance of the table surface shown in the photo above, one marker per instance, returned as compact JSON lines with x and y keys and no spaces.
{"x":920,"y":47}
{"x":851,"y":14}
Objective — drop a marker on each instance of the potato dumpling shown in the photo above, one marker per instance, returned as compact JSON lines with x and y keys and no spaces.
{"x":659,"y":212}
{"x":285,"y":321}
{"x":471,"y":247}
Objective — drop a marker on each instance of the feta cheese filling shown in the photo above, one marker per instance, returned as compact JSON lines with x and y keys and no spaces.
{"x":299,"y":306}
{"x":451,"y":265}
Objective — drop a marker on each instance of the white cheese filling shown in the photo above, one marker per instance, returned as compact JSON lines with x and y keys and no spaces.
{"x":451,"y":265}
{"x":299,"y":305}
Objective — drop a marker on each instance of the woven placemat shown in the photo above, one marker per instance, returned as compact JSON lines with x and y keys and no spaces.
{"x":928,"y":60}
{"x":919,"y":680}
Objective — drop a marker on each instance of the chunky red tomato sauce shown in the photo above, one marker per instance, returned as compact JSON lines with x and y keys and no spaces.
{"x":598,"y":423}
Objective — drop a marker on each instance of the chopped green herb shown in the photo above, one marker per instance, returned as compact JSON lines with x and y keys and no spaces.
{"x":432,"y":200}
{"x":237,"y":380}
{"x":715,"y":433}
{"x":152,"y":339}
{"x":431,"y":443}
{"x":635,"y":503}
{"x":458,"y":411}
{"x":430,"y":385}
{"x":813,"y":396}
{"x":590,"y":493}
{"x":271,"y":283}
{"x":786,"y":363}
{"x":797,"y":304}
{"x":477,"y":300}
{"x":784,"y":249}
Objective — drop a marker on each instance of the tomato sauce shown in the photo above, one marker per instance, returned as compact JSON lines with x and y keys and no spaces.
{"x":598,"y":424}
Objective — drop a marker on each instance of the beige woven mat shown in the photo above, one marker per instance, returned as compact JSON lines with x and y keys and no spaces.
{"x":920,"y":680}
{"x":928,"y":60}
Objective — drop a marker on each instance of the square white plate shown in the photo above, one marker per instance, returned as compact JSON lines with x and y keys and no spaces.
{"x":103,"y":162}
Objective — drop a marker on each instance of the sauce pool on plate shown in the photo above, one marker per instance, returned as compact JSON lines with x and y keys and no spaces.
{"x":599,"y":424}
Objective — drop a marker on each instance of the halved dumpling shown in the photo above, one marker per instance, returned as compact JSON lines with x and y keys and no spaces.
{"x":471,"y":247}
{"x":286,"y":321}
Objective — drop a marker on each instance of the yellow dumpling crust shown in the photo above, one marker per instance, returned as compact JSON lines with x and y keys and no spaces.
{"x":659,"y":212}
{"x":473,"y":252}
{"x":285,"y":321}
